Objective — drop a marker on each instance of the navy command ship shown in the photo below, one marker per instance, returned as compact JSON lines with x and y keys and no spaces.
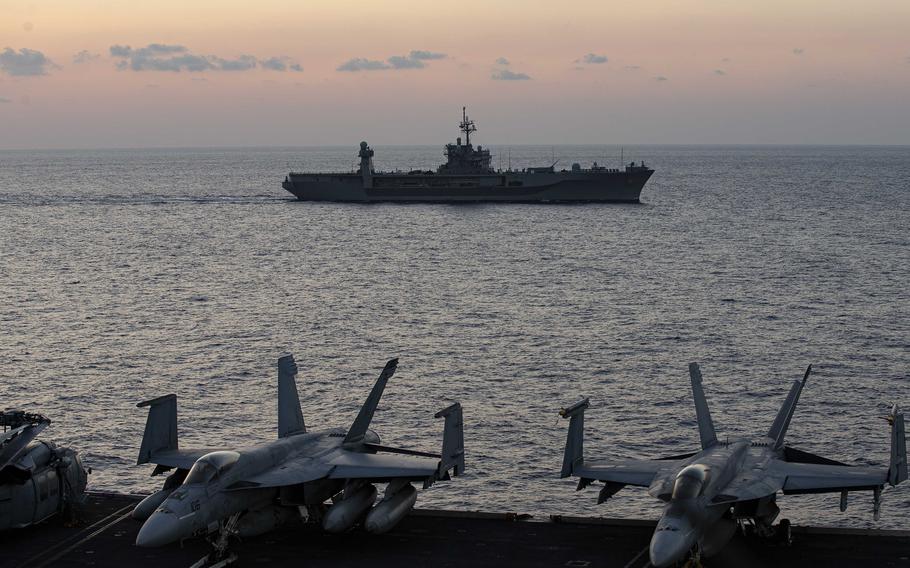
{"x":467,"y":176}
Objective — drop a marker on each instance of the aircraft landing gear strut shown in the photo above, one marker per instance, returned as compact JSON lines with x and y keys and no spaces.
{"x":221,"y":556}
{"x":781,"y":533}
{"x":694,"y":560}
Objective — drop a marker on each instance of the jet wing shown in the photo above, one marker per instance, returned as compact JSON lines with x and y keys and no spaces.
{"x":344,"y":465}
{"x":750,"y":485}
{"x":292,"y":472}
{"x":382,"y":467}
{"x":628,"y":472}
{"x":825,"y":478}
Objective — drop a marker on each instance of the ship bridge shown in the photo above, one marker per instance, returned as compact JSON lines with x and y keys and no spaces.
{"x":463,"y":158}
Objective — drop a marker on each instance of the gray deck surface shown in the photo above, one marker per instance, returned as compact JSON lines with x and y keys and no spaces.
{"x":105,"y":535}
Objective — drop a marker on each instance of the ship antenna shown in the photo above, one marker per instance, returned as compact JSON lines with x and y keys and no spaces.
{"x":467,"y":126}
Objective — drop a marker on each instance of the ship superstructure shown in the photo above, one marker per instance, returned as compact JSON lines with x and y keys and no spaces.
{"x":463,"y":158}
{"x":468,"y":176}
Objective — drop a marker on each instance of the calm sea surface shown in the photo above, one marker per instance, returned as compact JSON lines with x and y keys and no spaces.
{"x":129,"y":274}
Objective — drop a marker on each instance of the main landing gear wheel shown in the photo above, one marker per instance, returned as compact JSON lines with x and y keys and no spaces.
{"x":784,"y":532}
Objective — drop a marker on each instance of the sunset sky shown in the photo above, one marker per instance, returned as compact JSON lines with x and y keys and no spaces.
{"x":127,"y":73}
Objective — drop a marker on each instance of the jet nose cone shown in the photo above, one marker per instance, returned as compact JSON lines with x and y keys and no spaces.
{"x":669,"y":546}
{"x":163,"y":527}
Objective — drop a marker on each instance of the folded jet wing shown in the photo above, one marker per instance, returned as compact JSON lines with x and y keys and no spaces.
{"x":159,"y":442}
{"x":812,"y":474}
{"x":615,"y":473}
{"x":640,"y":473}
{"x":819,"y":478}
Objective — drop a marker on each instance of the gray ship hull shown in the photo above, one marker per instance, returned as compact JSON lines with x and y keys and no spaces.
{"x":606,"y":186}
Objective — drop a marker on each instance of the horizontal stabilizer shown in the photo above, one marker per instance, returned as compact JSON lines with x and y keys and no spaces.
{"x":705,"y":424}
{"x":779,"y":428}
{"x":362,"y":423}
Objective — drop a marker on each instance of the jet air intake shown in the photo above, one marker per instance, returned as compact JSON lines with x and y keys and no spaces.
{"x":260,"y":521}
{"x":147,"y":506}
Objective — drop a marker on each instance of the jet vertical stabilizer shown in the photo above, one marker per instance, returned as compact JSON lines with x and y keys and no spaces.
{"x":897,"y":471}
{"x":705,"y":424}
{"x":574,"y":453}
{"x":160,"y":427}
{"x":290,"y":418}
{"x":359,"y":428}
{"x":785,"y":414}
{"x":452,"y":441}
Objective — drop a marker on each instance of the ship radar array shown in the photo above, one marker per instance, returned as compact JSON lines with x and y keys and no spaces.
{"x":467,"y":126}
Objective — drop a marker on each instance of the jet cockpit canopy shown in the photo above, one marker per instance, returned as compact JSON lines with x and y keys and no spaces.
{"x":211,"y":465}
{"x":690,"y":482}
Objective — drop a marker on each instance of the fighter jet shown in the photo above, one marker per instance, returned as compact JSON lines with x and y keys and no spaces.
{"x":250,"y":491}
{"x":709,"y":493}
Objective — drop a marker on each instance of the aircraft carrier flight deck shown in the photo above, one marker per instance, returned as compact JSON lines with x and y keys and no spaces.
{"x":104,"y":536}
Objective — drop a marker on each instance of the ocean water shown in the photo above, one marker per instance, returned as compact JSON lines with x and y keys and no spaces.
{"x":129,"y":274}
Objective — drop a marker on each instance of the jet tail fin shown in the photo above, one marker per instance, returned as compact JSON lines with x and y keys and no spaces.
{"x":705,"y":424}
{"x":290,"y":418}
{"x":359,"y":428}
{"x":785,"y":414}
{"x":897,"y":471}
{"x":574,"y":452}
{"x":452,"y":441}
{"x":160,"y":427}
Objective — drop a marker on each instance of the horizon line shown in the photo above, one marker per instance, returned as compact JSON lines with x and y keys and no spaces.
{"x":488,"y":146}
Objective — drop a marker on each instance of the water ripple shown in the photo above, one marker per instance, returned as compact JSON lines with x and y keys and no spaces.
{"x":131,"y":274}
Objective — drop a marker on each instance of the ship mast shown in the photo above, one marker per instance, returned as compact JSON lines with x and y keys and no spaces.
{"x":467,"y":126}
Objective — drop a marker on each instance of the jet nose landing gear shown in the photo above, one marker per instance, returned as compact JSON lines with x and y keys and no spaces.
{"x":221,"y":556}
{"x":694,"y":560}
